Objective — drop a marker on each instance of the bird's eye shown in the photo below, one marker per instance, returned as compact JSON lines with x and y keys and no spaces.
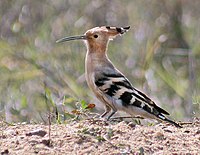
{"x":95,"y":36}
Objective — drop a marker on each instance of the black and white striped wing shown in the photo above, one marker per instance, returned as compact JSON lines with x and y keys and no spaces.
{"x":118,"y":87}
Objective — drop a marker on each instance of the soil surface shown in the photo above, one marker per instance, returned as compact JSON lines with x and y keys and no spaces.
{"x":100,"y":137}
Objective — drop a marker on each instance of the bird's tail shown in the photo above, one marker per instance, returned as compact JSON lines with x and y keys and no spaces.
{"x":163,"y":118}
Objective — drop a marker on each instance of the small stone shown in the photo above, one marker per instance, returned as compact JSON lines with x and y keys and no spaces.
{"x":46,"y":142}
{"x":167,"y":130}
{"x":198,"y":132}
{"x":159,"y":136}
{"x":131,"y":124}
{"x":5,"y":152}
{"x":17,"y":142}
{"x":38,"y":132}
{"x":141,"y":149}
{"x":186,"y":131}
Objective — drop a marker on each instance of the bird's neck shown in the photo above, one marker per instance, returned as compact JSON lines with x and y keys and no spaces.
{"x":96,"y":59}
{"x":96,"y":53}
{"x":98,"y":48}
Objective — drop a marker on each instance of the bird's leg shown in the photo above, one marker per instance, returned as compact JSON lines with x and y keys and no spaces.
{"x":107,"y":110}
{"x":112,"y":113}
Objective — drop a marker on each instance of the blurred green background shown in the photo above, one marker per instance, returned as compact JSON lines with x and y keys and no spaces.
{"x":160,"y":55}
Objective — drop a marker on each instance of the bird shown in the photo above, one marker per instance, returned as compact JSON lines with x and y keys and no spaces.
{"x":109,"y":85}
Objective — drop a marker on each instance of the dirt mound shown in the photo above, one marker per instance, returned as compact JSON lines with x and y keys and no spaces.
{"x":100,"y":137}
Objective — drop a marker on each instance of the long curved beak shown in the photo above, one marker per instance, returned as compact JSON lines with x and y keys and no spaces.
{"x":82,"y":37}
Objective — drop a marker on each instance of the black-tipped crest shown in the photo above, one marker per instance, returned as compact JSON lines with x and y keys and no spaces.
{"x":121,"y":30}
{"x":126,"y":28}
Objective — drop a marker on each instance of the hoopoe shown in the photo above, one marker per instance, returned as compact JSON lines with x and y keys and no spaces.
{"x":109,"y":85}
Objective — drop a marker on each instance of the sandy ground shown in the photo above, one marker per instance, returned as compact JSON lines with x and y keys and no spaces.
{"x":100,"y":137}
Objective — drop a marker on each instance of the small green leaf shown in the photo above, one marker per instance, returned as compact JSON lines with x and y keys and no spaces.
{"x":49,"y":96}
{"x":68,"y":100}
{"x":84,"y":104}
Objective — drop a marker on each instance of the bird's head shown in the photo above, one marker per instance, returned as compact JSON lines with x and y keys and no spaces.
{"x":98,"y":37}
